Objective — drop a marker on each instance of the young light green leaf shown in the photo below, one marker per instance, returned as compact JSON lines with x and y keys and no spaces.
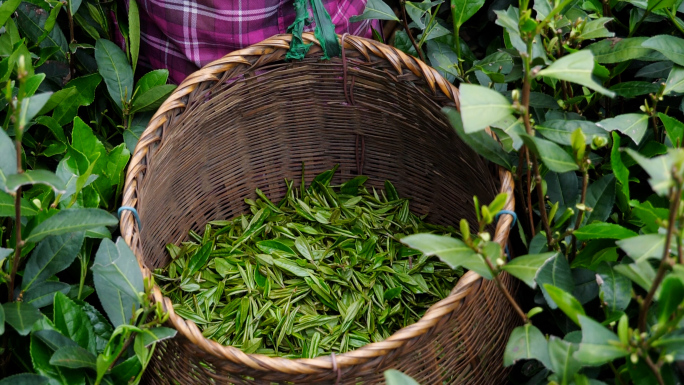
{"x":675,"y":81}
{"x":85,"y":87}
{"x":375,"y":10}
{"x":619,"y":50}
{"x":31,"y":106}
{"x":577,"y":68}
{"x":8,"y":158}
{"x":674,"y":129}
{"x":526,"y":342}
{"x":52,"y":255}
{"x":654,"y":5}
{"x":667,"y":304}
{"x":21,"y":316}
{"x":553,"y":156}
{"x":117,"y":279}
{"x":43,"y":294}
{"x":152,"y":98}
{"x":670,"y":46}
{"x":462,"y":10}
{"x":72,"y":220}
{"x":115,"y":70}
{"x":395,"y":377}
{"x":7,"y":9}
{"x":643,"y":247}
{"x":480,"y":141}
{"x":150,"y":80}
{"x":566,"y":302}
{"x":555,"y":271}
{"x":134,"y":32}
{"x":563,"y":363}
{"x":73,"y":357}
{"x":632,"y":125}
{"x":452,"y":251}
{"x":595,"y":29}
{"x":599,"y":345}
{"x":602,"y":230}
{"x":525,"y":267}
{"x":31,"y":177}
{"x":481,"y":106}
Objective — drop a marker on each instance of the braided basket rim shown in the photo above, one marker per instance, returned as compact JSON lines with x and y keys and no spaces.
{"x":467,"y":285}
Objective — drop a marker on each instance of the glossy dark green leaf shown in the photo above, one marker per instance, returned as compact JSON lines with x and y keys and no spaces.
{"x":198,"y":260}
{"x":555,"y":271}
{"x":462,"y":10}
{"x":117,"y":73}
{"x":73,"y":357}
{"x":553,"y":156}
{"x":72,"y":321}
{"x":615,"y":290}
{"x":72,"y":220}
{"x":601,"y":198}
{"x":52,"y":255}
{"x":633,"y":89}
{"x":101,"y":327}
{"x":619,"y":50}
{"x":525,"y":267}
{"x":668,"y":303}
{"x":7,"y":206}
{"x":375,"y":10}
{"x":481,"y":142}
{"x":153,"y":98}
{"x":674,"y":129}
{"x":560,"y":131}
{"x":670,"y":46}
{"x":25,"y":379}
{"x":66,"y":110}
{"x":151,"y":79}
{"x":599,"y":345}
{"x":561,"y":356}
{"x":526,"y":342}
{"x":655,"y":70}
{"x":43,"y":294}
{"x":134,"y":32}
{"x":21,"y":316}
{"x":118,"y":280}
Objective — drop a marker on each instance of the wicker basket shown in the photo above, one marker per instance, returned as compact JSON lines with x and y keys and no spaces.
{"x":249,"y":120}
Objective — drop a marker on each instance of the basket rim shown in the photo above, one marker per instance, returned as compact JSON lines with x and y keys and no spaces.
{"x":468,"y":285}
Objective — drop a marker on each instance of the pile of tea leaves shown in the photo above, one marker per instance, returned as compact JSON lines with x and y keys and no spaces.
{"x":321,"y":271}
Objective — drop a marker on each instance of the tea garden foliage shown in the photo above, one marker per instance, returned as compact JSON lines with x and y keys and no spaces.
{"x":585,"y":97}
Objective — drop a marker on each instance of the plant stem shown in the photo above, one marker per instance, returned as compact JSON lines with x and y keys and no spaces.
{"x":505,"y":291}
{"x":72,"y":65}
{"x":666,"y":261}
{"x":617,"y":374}
{"x":17,"y":226}
{"x":428,"y":26}
{"x":654,"y":368}
{"x":408,"y":31}
{"x":580,"y":215}
{"x":674,"y":21}
{"x":638,"y":24}
{"x":529,"y":192}
{"x":542,"y":202}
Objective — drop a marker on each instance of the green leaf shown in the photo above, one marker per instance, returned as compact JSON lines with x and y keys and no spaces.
{"x":157,"y":334}
{"x":395,"y":377}
{"x":619,"y":169}
{"x":32,"y":177}
{"x":655,"y":70}
{"x":577,"y":68}
{"x":43,"y":294}
{"x":553,"y":156}
{"x":7,"y":9}
{"x":375,"y":10}
{"x":670,"y":46}
{"x":7,"y":206}
{"x":25,"y":379}
{"x":629,"y":90}
{"x":555,"y":271}
{"x":73,"y":357}
{"x":632,"y":125}
{"x":512,"y":128}
{"x":117,"y":279}
{"x":481,"y":106}
{"x":21,"y":316}
{"x":85,"y":87}
{"x":134,"y":32}
{"x":641,"y":273}
{"x":31,"y":106}
{"x":57,"y":98}
{"x":8,"y":158}
{"x":595,"y":29}
{"x":615,"y":290}
{"x":650,"y":216}
{"x":668,"y":304}
{"x":2,"y":319}
{"x":563,"y":362}
{"x":602,"y":230}
{"x":462,"y":10}
{"x":525,"y":267}
{"x":101,"y":327}
{"x":40,"y":358}
{"x":115,"y":70}
{"x":480,"y":141}
{"x":601,"y":198}
{"x":560,"y":131}
{"x":654,"y":5}
{"x":643,"y":247}
{"x":675,"y":81}
{"x":450,"y":250}
{"x":619,"y":50}
{"x":674,"y":129}
{"x":526,"y":343}
{"x":153,"y":98}
{"x":566,"y":302}
{"x":52,"y":255}
{"x":72,"y":321}
{"x":72,"y":220}
{"x":196,"y":262}
{"x":150,"y":80}
{"x":599,"y":345}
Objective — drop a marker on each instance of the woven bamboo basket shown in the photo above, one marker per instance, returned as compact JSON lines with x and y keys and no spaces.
{"x":251,"y":119}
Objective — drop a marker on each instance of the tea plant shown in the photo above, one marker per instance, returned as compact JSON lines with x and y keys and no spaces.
{"x":585,"y":99}
{"x":62,"y":162}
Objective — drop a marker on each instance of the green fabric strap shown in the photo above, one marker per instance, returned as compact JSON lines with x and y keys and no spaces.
{"x":324,"y":31}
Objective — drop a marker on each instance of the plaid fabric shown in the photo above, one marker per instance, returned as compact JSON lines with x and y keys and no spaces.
{"x":184,"y":35}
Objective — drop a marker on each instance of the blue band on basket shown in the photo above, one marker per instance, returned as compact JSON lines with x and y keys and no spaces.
{"x":135,"y":214}
{"x":509,"y":212}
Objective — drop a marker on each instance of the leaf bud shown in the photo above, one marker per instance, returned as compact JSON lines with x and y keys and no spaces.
{"x":634,"y":358}
{"x":515,"y":94}
{"x":500,"y":262}
{"x":485,"y":236}
{"x":598,"y":142}
{"x":465,"y":229}
{"x":669,"y":358}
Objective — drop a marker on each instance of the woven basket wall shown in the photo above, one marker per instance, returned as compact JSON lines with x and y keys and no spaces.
{"x":249,"y":120}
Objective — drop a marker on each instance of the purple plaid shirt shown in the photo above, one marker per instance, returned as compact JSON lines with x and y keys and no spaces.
{"x":184,"y":35}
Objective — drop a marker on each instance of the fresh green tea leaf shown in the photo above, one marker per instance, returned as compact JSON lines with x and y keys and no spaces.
{"x":21,"y":316}
{"x":602,"y":230}
{"x":481,"y":106}
{"x":577,"y":68}
{"x":71,"y":220}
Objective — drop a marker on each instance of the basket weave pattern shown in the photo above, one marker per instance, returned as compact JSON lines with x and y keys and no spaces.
{"x":249,"y":120}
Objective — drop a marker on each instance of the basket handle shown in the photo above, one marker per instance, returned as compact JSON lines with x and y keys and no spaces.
{"x":324,"y":31}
